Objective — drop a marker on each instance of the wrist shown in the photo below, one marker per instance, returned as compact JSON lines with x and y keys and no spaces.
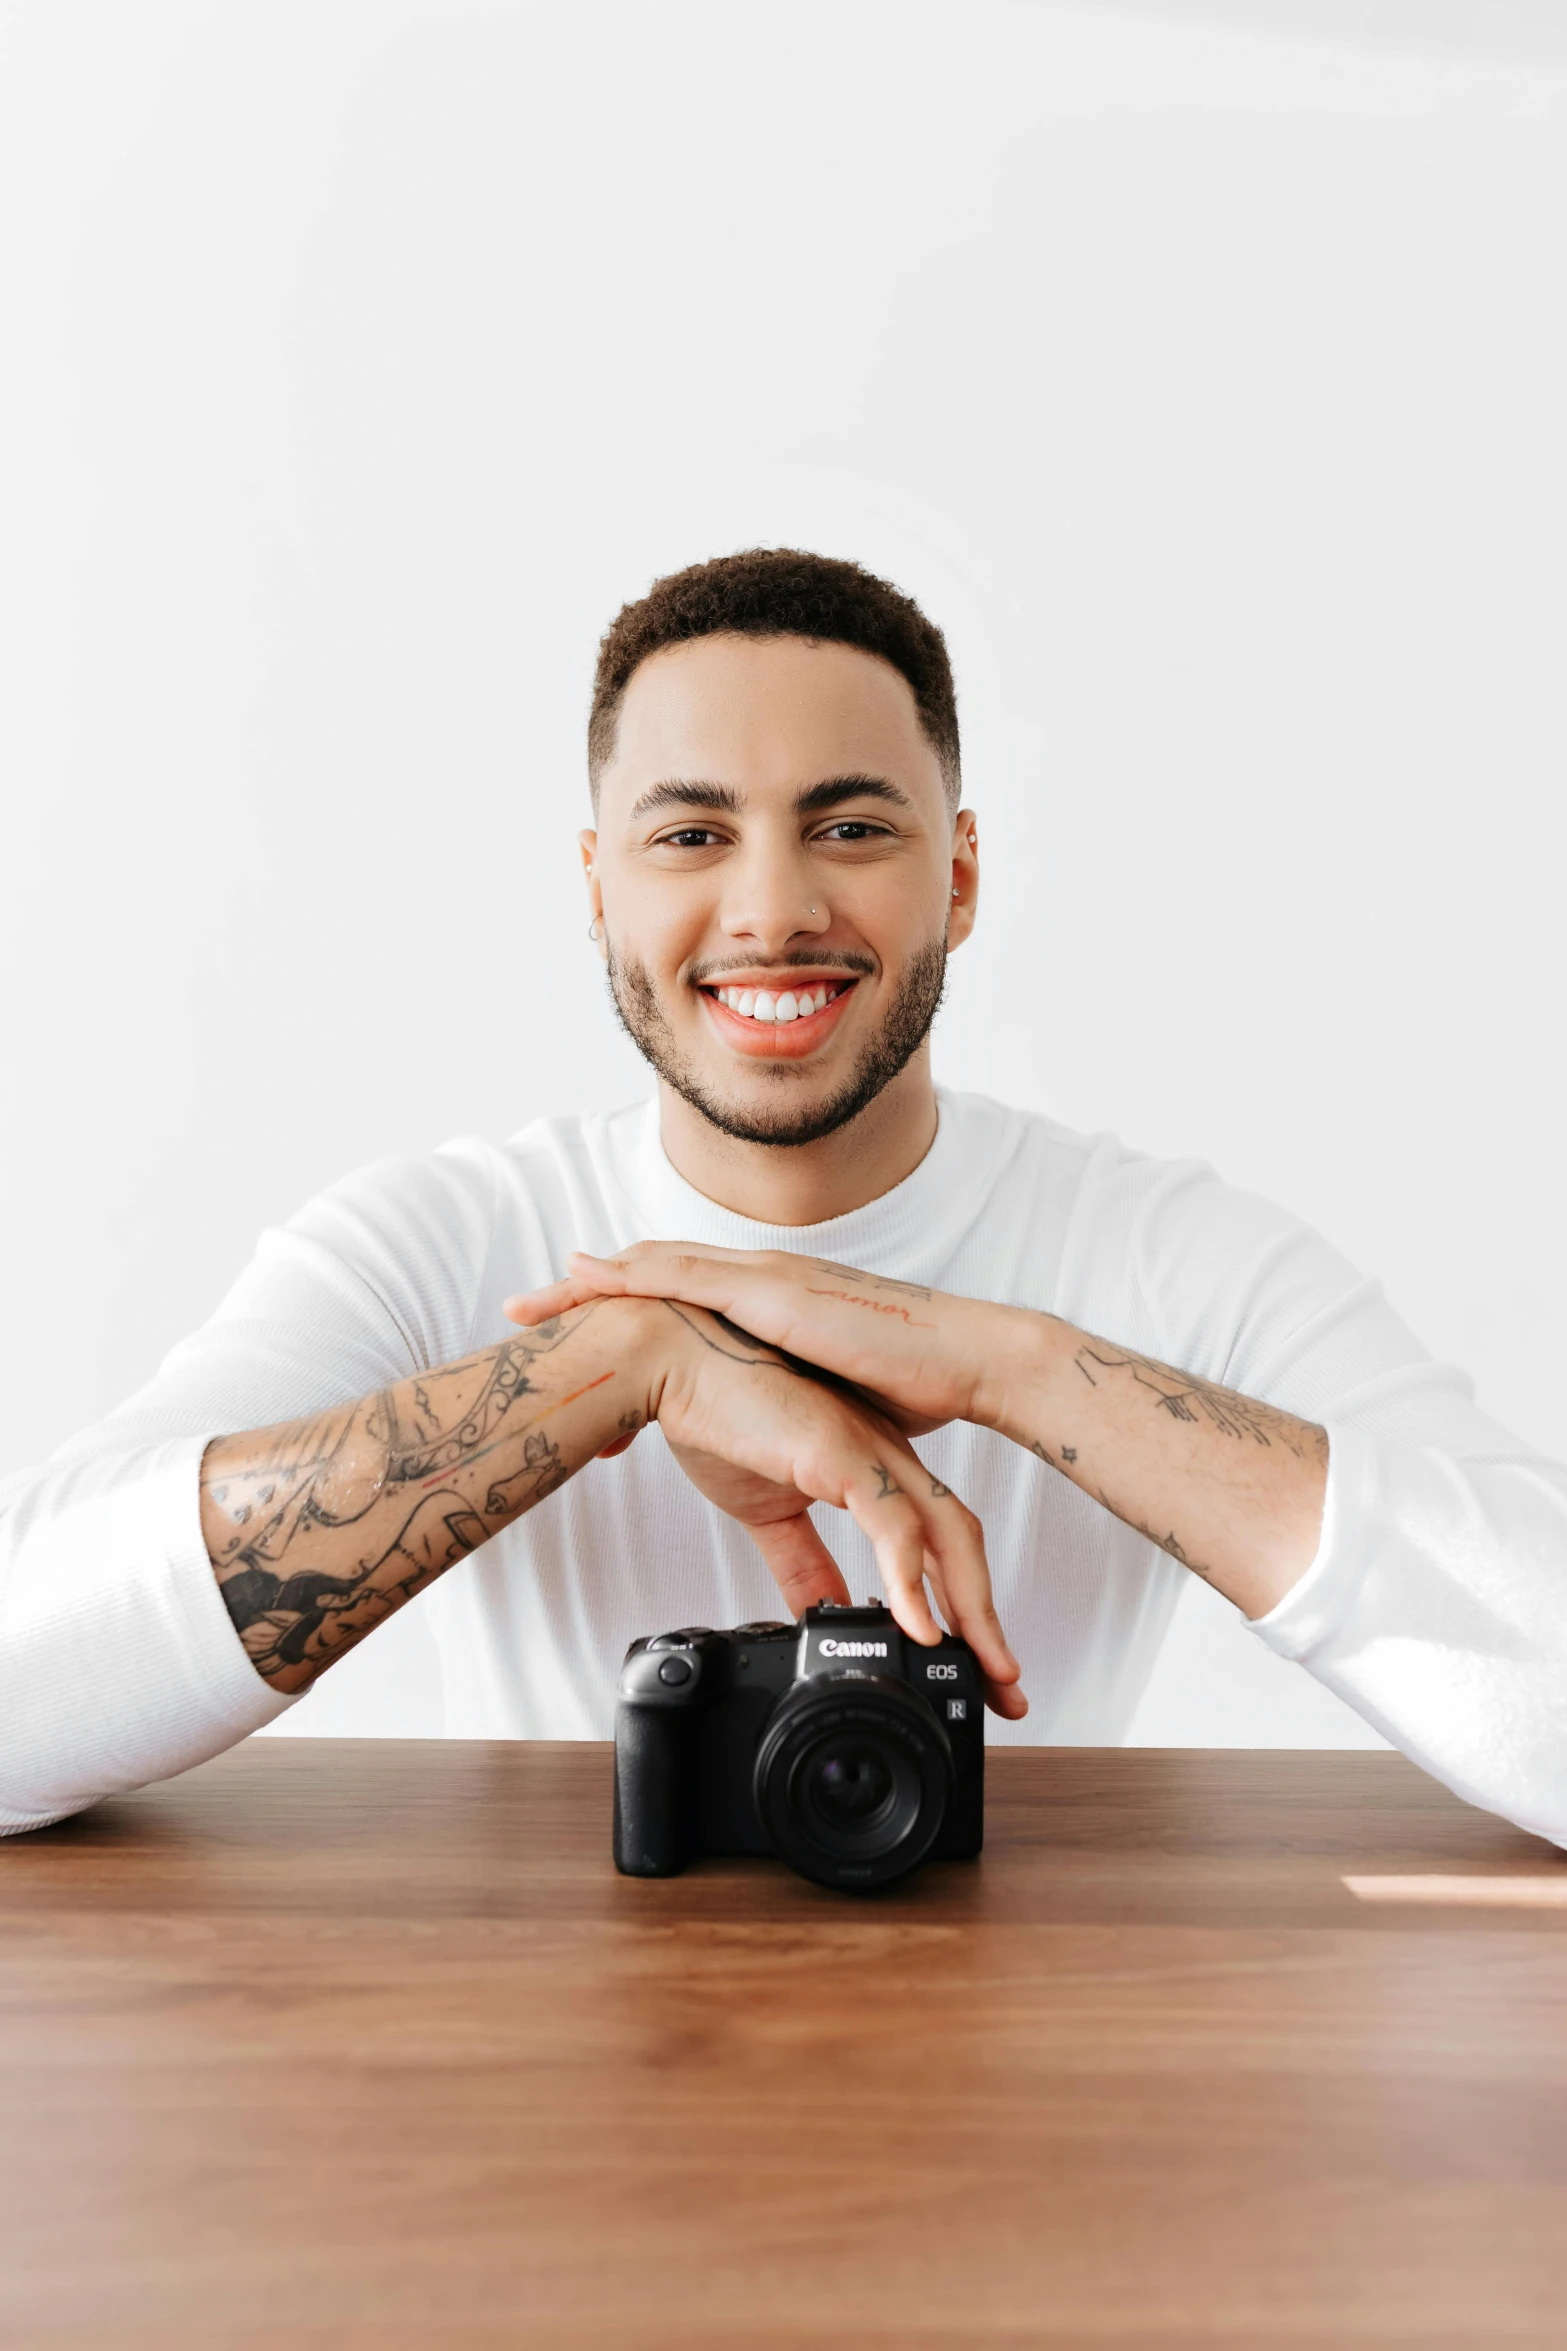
{"x":1025,"y":1352}
{"x":646,"y":1341}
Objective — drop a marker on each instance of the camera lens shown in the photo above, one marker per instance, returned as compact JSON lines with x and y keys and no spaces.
{"x":852,"y":1781}
{"x":848,"y":1785}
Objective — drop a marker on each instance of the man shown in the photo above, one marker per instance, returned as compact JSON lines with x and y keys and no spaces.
{"x":802,"y":1259}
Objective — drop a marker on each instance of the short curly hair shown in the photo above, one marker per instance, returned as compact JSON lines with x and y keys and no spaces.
{"x":779,"y":592}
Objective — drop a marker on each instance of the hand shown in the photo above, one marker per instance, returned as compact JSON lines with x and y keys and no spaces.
{"x":763,"y":1439}
{"x":921,"y":1355}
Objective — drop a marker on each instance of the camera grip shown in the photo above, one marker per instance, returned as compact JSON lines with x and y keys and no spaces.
{"x":653,"y":1791}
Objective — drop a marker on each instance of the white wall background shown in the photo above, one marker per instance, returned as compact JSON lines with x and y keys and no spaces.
{"x":1203,"y":369}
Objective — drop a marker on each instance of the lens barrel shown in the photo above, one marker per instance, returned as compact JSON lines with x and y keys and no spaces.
{"x":853,"y":1779}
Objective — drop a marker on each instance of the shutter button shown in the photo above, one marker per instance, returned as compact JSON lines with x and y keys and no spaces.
{"x":675,"y":1670}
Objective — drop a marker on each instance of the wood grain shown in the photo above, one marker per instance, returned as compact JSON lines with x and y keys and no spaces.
{"x":353,"y":2043}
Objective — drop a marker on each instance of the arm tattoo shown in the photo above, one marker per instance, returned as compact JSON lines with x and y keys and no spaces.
{"x":1169,"y":1543}
{"x":399,"y":1466}
{"x":1185,"y":1397}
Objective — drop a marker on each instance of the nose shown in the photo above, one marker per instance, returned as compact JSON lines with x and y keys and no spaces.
{"x":772,"y":901}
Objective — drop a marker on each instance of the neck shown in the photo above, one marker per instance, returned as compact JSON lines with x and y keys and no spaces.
{"x":806,"y":1183}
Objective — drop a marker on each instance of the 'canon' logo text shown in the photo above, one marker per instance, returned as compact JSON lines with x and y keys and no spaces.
{"x":854,"y":1648}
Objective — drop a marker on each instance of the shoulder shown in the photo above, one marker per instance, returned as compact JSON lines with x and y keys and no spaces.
{"x":425,"y":1243}
{"x":1089,"y":1189}
{"x":1168,"y":1255}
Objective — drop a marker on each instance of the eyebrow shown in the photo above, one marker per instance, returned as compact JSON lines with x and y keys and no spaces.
{"x":673,"y":794}
{"x":831,"y":792}
{"x":836,"y":789}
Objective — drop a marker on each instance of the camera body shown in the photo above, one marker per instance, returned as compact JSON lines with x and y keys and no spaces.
{"x":837,"y":1743}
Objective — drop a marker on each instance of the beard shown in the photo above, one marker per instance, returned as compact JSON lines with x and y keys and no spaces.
{"x":906,"y":1026}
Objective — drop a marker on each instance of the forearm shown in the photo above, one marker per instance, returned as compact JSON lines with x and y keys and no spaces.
{"x":319,"y":1528}
{"x":1231,"y":1487}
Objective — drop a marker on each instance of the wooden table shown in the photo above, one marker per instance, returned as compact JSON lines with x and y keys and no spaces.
{"x":361,"y":2043}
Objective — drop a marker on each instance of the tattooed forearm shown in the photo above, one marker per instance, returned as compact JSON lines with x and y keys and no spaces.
{"x":1164,"y":1450}
{"x":1185,"y":1397}
{"x":320,"y":1528}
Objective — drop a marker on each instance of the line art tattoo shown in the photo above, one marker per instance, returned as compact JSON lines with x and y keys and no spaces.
{"x":341,"y":1468}
{"x":1185,"y":1397}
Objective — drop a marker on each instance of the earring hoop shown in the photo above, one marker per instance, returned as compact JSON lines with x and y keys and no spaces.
{"x":594,"y":932}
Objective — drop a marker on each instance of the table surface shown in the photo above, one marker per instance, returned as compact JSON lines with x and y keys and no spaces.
{"x":355,"y":2042}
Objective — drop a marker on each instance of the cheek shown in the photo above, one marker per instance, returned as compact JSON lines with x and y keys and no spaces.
{"x":895,"y":909}
{"x":661,"y":929}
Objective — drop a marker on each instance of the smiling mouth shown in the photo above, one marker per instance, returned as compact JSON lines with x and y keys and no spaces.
{"x":779,"y":1023}
{"x":779,"y":1004}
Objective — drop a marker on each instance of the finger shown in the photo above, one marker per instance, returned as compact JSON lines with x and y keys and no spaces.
{"x":535,"y":1306}
{"x":938,"y":1589}
{"x":745,"y":1285}
{"x":645,"y":1271}
{"x":799,"y":1562}
{"x":887,"y":1516}
{"x":1005,"y":1699}
{"x":954,"y":1540}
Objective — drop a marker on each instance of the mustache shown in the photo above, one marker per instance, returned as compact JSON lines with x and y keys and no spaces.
{"x":835,"y":959}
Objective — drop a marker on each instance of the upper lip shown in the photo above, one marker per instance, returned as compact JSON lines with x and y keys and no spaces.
{"x":803,"y":976}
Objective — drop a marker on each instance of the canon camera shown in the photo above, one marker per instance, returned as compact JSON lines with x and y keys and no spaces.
{"x":836,"y":1743}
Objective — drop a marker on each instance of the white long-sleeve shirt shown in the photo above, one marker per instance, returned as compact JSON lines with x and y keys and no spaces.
{"x":1436,"y":1605}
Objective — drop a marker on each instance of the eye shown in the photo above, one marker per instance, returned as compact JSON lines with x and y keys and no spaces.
{"x":850,"y":829}
{"x":691,"y":836}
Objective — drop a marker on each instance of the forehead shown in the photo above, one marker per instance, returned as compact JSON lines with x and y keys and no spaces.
{"x":768,"y":714}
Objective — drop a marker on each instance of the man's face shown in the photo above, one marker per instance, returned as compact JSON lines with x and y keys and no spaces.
{"x":774,"y":839}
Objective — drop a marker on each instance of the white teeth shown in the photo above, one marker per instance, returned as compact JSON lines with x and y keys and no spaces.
{"x":785,"y":1004}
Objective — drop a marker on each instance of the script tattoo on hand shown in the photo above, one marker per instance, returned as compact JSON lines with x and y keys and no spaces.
{"x":399,"y":1465}
{"x":850,"y":1290}
{"x":869,"y":1281}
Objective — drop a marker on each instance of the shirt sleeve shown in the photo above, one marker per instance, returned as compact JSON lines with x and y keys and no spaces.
{"x":1437,"y":1603}
{"x":119,"y":1663}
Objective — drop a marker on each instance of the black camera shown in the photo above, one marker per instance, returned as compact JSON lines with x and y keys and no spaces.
{"x":850,"y":1751}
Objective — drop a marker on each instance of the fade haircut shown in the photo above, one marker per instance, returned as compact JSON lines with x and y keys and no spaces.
{"x":779,"y":592}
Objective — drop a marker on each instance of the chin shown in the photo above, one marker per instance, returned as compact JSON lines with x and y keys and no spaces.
{"x":784,"y":1098}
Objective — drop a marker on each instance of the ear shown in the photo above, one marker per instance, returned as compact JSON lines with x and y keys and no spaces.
{"x":963,"y":899}
{"x":588,"y":844}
